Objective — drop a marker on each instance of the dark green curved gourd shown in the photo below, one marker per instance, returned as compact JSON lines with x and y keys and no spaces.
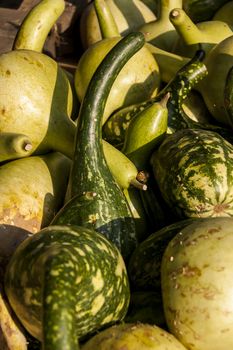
{"x":184,"y":81}
{"x":194,"y":171}
{"x":66,"y":282}
{"x":202,"y":10}
{"x":97,"y":201}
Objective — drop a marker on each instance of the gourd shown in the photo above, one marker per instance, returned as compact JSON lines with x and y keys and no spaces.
{"x":146,"y":307}
{"x":97,"y":202}
{"x":218,"y":62}
{"x":228,"y":94}
{"x":182,"y":83}
{"x":32,"y":190}
{"x":133,"y":336}
{"x":202,"y":10}
{"x":137,"y":209}
{"x":224,"y":13}
{"x":161,"y":32}
{"x":38,"y":106}
{"x":196,"y":285}
{"x":193,"y":170}
{"x":77,"y":283}
{"x":128,"y":16}
{"x":37,"y":24}
{"x":145,"y":131}
{"x":137,"y":81}
{"x":144,"y":267}
{"x":206,"y":33}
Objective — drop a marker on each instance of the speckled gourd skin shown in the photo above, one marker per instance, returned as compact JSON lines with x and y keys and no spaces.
{"x":97,"y":201}
{"x":193,"y":169}
{"x":71,"y":274}
{"x":197,"y":285}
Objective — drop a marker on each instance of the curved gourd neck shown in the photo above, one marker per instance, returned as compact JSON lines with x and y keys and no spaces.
{"x":185,"y":27}
{"x":107,"y":23}
{"x":36,"y":26}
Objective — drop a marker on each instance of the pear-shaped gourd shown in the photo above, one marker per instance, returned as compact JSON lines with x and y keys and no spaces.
{"x":128,"y":15}
{"x":197,"y":284}
{"x":161,"y":32}
{"x":218,"y":62}
{"x":138,"y":80}
{"x":77,"y":283}
{"x":36,"y":100}
{"x":145,"y":131}
{"x":133,"y":336}
{"x":207,"y":33}
{"x":225,"y":13}
{"x":32,"y":190}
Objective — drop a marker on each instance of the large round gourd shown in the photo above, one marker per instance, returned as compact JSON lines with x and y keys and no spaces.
{"x":197,"y":285}
{"x":65,"y":282}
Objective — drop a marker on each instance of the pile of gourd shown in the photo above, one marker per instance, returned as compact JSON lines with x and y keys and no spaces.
{"x":116,"y":180}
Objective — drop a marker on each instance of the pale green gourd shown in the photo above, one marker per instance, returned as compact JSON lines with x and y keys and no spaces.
{"x":33,"y":190}
{"x":161,"y":32}
{"x":128,"y":15}
{"x":206,"y":33}
{"x":138,"y":80}
{"x":37,"y":25}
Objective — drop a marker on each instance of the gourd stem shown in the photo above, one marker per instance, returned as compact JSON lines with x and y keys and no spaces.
{"x":59,"y":300}
{"x":13,"y":146}
{"x":166,"y":6}
{"x":107,"y":23}
{"x":141,"y":186}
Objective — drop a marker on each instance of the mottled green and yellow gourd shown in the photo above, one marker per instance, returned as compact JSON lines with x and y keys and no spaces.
{"x":65,"y":282}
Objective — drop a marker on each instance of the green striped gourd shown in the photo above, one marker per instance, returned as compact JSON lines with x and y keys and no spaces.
{"x":65,"y":282}
{"x":96,"y":200}
{"x":193,"y":169}
{"x":145,"y":262}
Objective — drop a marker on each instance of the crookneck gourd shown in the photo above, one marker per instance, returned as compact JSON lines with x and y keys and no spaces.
{"x":193,"y":169}
{"x":96,"y":200}
{"x":65,"y":282}
{"x":191,"y":35}
{"x":37,"y":24}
